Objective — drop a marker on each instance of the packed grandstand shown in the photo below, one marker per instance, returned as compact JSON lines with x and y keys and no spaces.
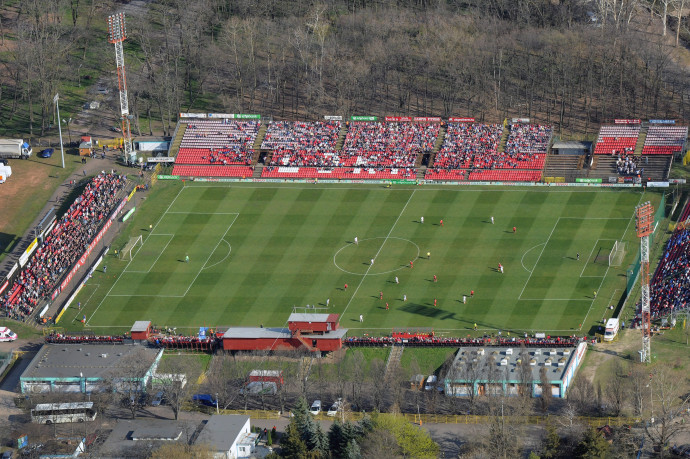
{"x":396,"y":149}
{"x":63,"y":245}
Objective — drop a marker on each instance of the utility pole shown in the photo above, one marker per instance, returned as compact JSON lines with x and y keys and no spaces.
{"x":57,"y":107}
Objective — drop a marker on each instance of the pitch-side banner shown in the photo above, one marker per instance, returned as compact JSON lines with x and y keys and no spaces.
{"x":627,"y":121}
{"x":461,"y":120}
{"x":192,"y":115}
{"x":427,"y":119}
{"x":161,"y":159}
{"x":333,"y":118}
{"x":398,"y":118}
{"x":658,"y":184}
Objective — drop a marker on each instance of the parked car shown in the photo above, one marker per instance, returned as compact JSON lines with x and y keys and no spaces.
{"x":430,"y":382}
{"x":7,"y":335}
{"x":315,"y":407}
{"x":205,"y":399}
{"x":157,"y":399}
{"x":47,"y":153}
{"x":336,"y":407}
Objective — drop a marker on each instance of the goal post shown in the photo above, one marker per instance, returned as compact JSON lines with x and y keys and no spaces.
{"x":128,"y":252}
{"x":617,"y":254}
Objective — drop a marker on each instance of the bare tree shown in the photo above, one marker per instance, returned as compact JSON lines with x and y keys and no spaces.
{"x":669,"y":401}
{"x":176,"y":377}
{"x":546,"y":395}
{"x":470,"y":373}
{"x":127,"y":378}
{"x":617,"y":390}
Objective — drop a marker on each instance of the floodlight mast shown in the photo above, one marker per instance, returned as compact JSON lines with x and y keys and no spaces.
{"x":117,"y":33}
{"x":644,"y":219}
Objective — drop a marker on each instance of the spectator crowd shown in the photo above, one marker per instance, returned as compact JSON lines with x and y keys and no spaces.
{"x":670,"y":286}
{"x":63,"y":245}
{"x":627,"y":165}
{"x":302,"y":143}
{"x":391,"y":144}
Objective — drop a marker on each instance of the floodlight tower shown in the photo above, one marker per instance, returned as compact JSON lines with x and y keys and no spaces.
{"x":644,"y":219}
{"x":117,"y":33}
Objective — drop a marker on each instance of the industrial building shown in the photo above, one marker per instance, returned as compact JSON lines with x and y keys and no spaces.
{"x":81,"y":367}
{"x":472,"y":369}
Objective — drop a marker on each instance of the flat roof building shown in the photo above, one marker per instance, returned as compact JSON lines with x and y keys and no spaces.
{"x":497,"y":369}
{"x":81,"y":367}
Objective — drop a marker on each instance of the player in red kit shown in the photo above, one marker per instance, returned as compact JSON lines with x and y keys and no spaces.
{"x":411,"y":265}
{"x":514,"y":229}
{"x":345,"y":286}
{"x":435,"y":279}
{"x":386,"y":306}
{"x":471,"y":293}
{"x":434,"y":301}
{"x":441,"y":222}
{"x":380,"y":295}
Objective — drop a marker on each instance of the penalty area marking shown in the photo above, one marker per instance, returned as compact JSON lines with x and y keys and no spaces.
{"x":224,"y":258}
{"x":159,"y":254}
{"x":367,"y":272}
{"x":590,"y":256}
{"x":523,"y":258}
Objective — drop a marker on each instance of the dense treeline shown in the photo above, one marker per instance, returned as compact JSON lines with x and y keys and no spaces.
{"x":571,"y":63}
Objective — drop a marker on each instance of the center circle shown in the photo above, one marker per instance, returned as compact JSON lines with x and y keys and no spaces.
{"x":396,"y":254}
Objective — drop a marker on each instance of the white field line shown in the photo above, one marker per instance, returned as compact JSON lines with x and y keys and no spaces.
{"x":222,"y":239}
{"x":523,"y":257}
{"x":607,"y":269}
{"x":365,"y":186}
{"x":159,"y":254}
{"x":87,"y":301}
{"x":130,"y":261}
{"x":610,"y":303}
{"x":377,"y":254}
{"x":590,"y":256}
{"x":538,"y":258}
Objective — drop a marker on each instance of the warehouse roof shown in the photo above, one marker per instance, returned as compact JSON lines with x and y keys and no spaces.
{"x":82,"y":360}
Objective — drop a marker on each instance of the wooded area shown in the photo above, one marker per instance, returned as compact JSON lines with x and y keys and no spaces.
{"x":569,"y":63}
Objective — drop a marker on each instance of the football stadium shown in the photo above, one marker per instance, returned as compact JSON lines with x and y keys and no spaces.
{"x":419,"y":224}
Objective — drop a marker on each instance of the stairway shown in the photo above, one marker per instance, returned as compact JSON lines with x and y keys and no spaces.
{"x":257,"y":171}
{"x":175,"y":146}
{"x":437,"y":146}
{"x":393,"y":361}
{"x":260,"y":136}
{"x":258,"y":141}
{"x":341,"y":138}
{"x":298,"y":336}
{"x":421,"y":172}
{"x":504,"y":140}
{"x":640,"y":140}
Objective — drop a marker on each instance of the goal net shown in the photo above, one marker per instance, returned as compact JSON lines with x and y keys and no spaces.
{"x":617,"y":254}
{"x":130,"y":249}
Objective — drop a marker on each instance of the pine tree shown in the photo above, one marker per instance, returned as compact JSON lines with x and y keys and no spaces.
{"x":352,"y":450}
{"x":593,"y":446}
{"x":292,"y":447}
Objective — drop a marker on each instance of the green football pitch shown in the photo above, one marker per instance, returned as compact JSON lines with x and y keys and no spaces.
{"x":256,"y":251}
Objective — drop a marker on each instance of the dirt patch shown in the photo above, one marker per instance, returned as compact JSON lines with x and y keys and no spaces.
{"x":627,"y":342}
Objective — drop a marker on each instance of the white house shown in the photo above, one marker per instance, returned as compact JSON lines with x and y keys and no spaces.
{"x":228,"y":436}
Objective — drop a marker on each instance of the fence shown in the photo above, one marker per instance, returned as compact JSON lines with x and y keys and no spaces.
{"x":355,"y":416}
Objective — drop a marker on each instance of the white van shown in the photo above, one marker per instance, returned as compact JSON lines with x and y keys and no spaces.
{"x":430,"y":382}
{"x":7,"y":335}
{"x":611,"y":329}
